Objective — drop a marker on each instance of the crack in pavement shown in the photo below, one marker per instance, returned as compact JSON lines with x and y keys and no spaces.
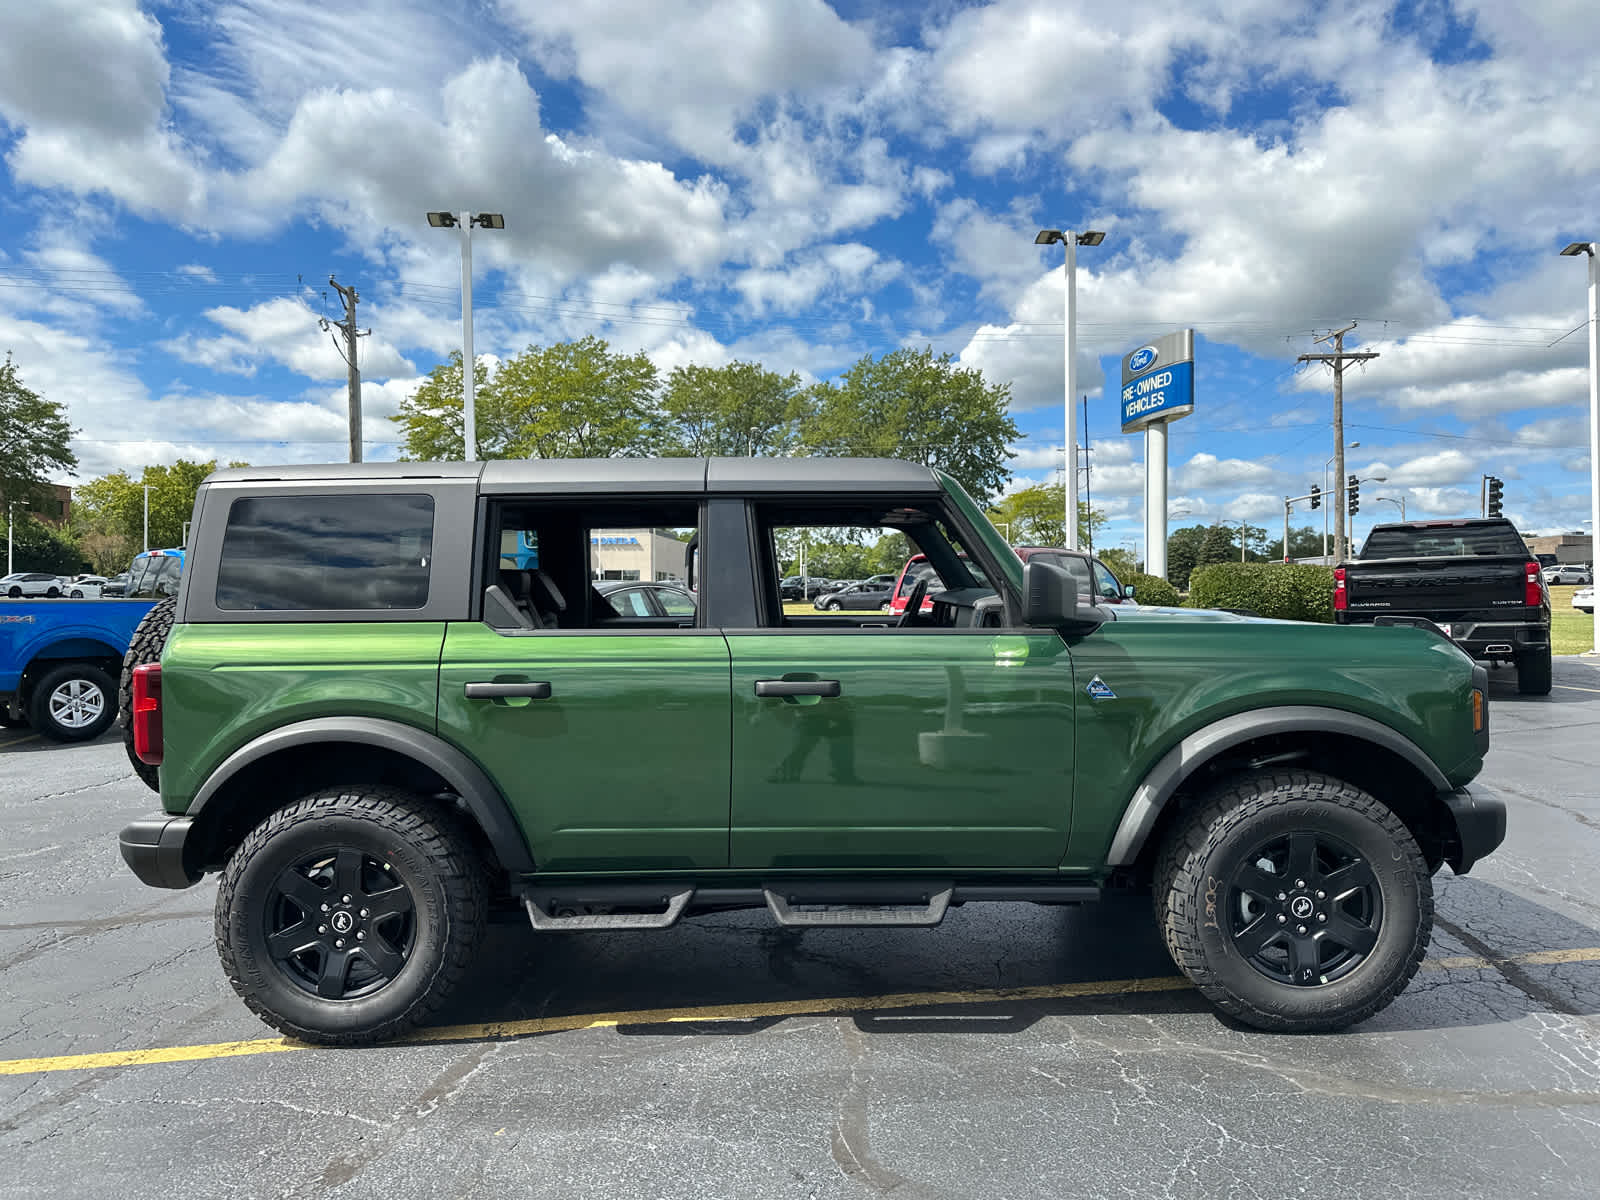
{"x":1509,"y":970}
{"x":444,"y":1087}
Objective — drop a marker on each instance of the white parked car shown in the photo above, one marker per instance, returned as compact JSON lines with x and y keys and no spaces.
{"x":32,"y":583}
{"x":1568,"y":573}
{"x":85,"y":587}
{"x":1583,"y":599}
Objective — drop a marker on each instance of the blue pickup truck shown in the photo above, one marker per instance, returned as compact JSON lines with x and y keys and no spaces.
{"x":60,"y":659}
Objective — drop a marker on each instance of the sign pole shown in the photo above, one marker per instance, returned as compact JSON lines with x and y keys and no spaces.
{"x":1070,"y":479}
{"x":1155,"y":516}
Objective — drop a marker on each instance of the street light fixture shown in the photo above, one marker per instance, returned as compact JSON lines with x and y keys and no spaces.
{"x":1071,"y":240}
{"x":464,"y":221}
{"x":1400,"y":500}
{"x":1592,"y":250}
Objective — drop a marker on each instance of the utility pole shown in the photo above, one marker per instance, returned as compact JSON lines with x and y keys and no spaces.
{"x":1337,"y":361}
{"x":348,"y":353}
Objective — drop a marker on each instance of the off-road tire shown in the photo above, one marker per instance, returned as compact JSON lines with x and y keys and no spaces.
{"x":1534,"y":673}
{"x":1212,"y":839}
{"x":41,"y":718}
{"x":149,"y":640}
{"x":428,"y":852}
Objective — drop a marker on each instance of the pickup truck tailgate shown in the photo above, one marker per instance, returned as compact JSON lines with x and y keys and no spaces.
{"x":1440,"y":587}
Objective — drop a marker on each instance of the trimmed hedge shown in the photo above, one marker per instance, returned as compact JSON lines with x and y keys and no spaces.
{"x":1152,"y":589}
{"x":1288,"y":591}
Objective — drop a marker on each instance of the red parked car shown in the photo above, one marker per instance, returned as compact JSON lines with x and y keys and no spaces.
{"x":1105,"y":587}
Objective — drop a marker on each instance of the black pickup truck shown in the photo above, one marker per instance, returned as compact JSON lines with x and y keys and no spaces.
{"x":1474,"y":578}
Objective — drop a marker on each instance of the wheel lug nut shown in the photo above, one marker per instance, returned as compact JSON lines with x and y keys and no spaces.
{"x":346,"y":900}
{"x":1320,"y":896}
{"x":322,"y":929}
{"x":339,"y":944}
{"x":1281,"y":896}
{"x":361,"y":935}
{"x":325,"y":907}
{"x":1300,"y":883}
{"x":1322,"y":916}
{"x":365,"y":913}
{"x":1297,"y":929}
{"x":1282,"y":919}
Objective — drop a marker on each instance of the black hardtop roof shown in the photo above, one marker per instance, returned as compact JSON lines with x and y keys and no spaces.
{"x":1441,"y":523}
{"x":846,"y":476}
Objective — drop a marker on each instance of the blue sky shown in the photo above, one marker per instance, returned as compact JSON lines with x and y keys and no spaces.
{"x":800,"y":185}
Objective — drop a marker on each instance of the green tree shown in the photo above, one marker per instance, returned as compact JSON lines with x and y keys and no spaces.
{"x":108,"y":513}
{"x":915,"y":405}
{"x":1218,"y":546}
{"x":430,"y":418}
{"x":41,"y":547}
{"x":571,"y":400}
{"x":737,"y":410}
{"x":1183,"y":553}
{"x":1121,"y":562}
{"x":33,"y":438}
{"x":1032,"y":516}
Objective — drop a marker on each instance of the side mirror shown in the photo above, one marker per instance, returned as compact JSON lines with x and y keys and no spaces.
{"x":1050,"y":600}
{"x":1127,"y":591}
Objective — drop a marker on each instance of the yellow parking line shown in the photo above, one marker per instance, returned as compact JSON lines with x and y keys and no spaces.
{"x":18,"y":741}
{"x":1567,"y":687}
{"x":502,"y":1030}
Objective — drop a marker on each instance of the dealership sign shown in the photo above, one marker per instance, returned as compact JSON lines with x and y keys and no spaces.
{"x":1158,"y":381}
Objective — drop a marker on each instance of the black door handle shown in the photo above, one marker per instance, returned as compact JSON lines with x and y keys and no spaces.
{"x":797,"y":687}
{"x":503,"y":691}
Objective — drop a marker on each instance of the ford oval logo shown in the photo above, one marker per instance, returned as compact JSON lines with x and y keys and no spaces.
{"x":1141,"y":358}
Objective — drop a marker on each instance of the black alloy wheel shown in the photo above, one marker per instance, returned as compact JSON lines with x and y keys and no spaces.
{"x":340,"y":925}
{"x":1295,"y":901}
{"x":349,"y":916}
{"x":1304,"y":909}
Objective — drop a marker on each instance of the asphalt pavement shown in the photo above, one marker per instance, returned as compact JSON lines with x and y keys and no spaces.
{"x":1015,"y":1051}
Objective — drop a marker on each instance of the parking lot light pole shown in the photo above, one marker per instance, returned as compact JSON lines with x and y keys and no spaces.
{"x":10,"y":533}
{"x":1400,"y":500}
{"x":1071,"y":241}
{"x":464,"y":221}
{"x":1592,"y":250}
{"x":147,"y":488}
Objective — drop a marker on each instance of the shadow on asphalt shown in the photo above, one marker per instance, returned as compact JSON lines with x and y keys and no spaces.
{"x":736,"y":959}
{"x":26,"y":741}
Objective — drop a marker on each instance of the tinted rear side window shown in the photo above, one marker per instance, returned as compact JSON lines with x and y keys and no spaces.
{"x":326,"y":552}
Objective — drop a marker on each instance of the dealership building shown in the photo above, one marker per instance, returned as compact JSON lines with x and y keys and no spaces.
{"x":636,"y":554}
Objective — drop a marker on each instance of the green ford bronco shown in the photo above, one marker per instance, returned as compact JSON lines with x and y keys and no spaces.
{"x":397,"y":696}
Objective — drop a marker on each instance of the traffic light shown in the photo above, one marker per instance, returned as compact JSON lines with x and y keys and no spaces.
{"x":1355,"y":495}
{"x":1497,"y":491}
{"x":1316,"y":496}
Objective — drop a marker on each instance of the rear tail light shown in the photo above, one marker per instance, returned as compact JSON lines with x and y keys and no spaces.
{"x":1534,"y":588}
{"x":147,"y":736}
{"x":1341,"y":600}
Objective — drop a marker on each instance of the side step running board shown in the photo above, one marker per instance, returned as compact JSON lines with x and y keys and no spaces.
{"x":546,"y":921}
{"x":894,"y":910}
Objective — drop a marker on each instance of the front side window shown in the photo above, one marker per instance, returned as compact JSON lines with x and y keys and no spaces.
{"x":1106,"y":583}
{"x":853,"y":542}
{"x":349,"y":553}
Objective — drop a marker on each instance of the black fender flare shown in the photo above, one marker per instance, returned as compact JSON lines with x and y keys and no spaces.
{"x":465,"y":777}
{"x":1204,"y":744}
